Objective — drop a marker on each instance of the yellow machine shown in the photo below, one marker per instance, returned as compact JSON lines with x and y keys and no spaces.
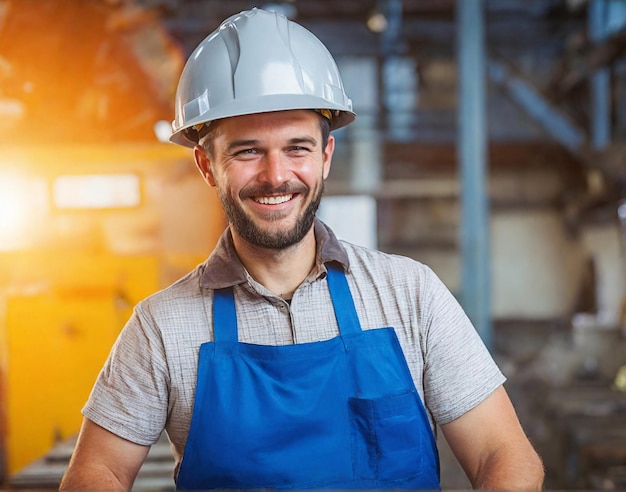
{"x":95,"y":213}
{"x":85,"y":233}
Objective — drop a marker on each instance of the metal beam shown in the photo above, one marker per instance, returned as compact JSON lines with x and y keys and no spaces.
{"x":472,"y":154}
{"x":600,"y":80}
{"x":550,"y":118}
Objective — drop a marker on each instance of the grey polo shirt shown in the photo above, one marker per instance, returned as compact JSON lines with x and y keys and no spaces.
{"x":148,"y":381}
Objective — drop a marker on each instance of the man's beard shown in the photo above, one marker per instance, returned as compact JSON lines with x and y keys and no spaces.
{"x":253,"y":234}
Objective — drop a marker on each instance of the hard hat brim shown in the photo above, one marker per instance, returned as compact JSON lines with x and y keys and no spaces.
{"x":266,"y":104}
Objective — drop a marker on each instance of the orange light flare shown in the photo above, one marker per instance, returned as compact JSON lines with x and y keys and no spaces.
{"x":23,"y":205}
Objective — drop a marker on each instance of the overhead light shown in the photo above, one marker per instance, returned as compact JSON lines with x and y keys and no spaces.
{"x":377,"y":22}
{"x":163,"y":130}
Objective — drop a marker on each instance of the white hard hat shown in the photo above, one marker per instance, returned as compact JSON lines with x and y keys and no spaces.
{"x":255,"y":62}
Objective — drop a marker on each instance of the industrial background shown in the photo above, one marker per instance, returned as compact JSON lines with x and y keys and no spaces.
{"x":490,"y":145}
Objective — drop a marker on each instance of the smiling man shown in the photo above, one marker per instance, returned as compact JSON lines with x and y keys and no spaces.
{"x":270,"y":188}
{"x":269,"y":171}
{"x":290,"y":359}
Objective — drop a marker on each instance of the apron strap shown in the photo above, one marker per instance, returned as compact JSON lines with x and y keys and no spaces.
{"x":345,"y":311}
{"x":224,"y":316}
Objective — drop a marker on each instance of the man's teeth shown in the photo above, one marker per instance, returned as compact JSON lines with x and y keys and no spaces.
{"x":273,"y":200}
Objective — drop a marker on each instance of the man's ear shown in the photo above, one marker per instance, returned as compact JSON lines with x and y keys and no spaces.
{"x":328,"y":155}
{"x":204,"y":164}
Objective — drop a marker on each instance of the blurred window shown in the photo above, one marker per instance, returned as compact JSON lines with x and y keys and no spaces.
{"x":96,"y":191}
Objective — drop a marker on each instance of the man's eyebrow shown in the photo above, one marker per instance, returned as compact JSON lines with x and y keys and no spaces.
{"x":235,"y":144}
{"x":300,"y":140}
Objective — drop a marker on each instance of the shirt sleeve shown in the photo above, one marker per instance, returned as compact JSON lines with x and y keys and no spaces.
{"x":130,"y":396}
{"x":459,"y":371}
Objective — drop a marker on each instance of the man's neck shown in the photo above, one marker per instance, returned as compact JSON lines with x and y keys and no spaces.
{"x":280,"y":271}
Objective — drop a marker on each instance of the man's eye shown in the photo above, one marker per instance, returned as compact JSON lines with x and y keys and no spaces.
{"x":244,"y":152}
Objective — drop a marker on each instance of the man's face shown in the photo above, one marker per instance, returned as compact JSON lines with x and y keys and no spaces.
{"x":269,"y":171}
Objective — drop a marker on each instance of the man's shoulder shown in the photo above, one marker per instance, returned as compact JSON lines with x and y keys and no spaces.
{"x":178,"y":308}
{"x":185,"y":290}
{"x":363,"y":258}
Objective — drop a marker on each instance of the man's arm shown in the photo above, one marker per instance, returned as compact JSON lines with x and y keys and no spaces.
{"x":102,"y":461}
{"x":492,"y":448}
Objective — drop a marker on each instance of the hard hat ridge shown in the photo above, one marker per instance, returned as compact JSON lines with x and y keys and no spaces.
{"x":257,"y":61}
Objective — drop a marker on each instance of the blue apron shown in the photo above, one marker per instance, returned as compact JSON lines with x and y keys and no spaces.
{"x":341,"y":413}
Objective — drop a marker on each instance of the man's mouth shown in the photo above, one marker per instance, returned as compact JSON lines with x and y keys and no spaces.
{"x":272,"y":200}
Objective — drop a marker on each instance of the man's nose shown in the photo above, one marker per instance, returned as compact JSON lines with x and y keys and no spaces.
{"x":275,"y":168}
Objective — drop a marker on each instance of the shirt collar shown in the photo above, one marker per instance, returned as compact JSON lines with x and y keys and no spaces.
{"x":223,"y":268}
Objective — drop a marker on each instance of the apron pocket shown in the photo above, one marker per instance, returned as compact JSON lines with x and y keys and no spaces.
{"x":388,"y":435}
